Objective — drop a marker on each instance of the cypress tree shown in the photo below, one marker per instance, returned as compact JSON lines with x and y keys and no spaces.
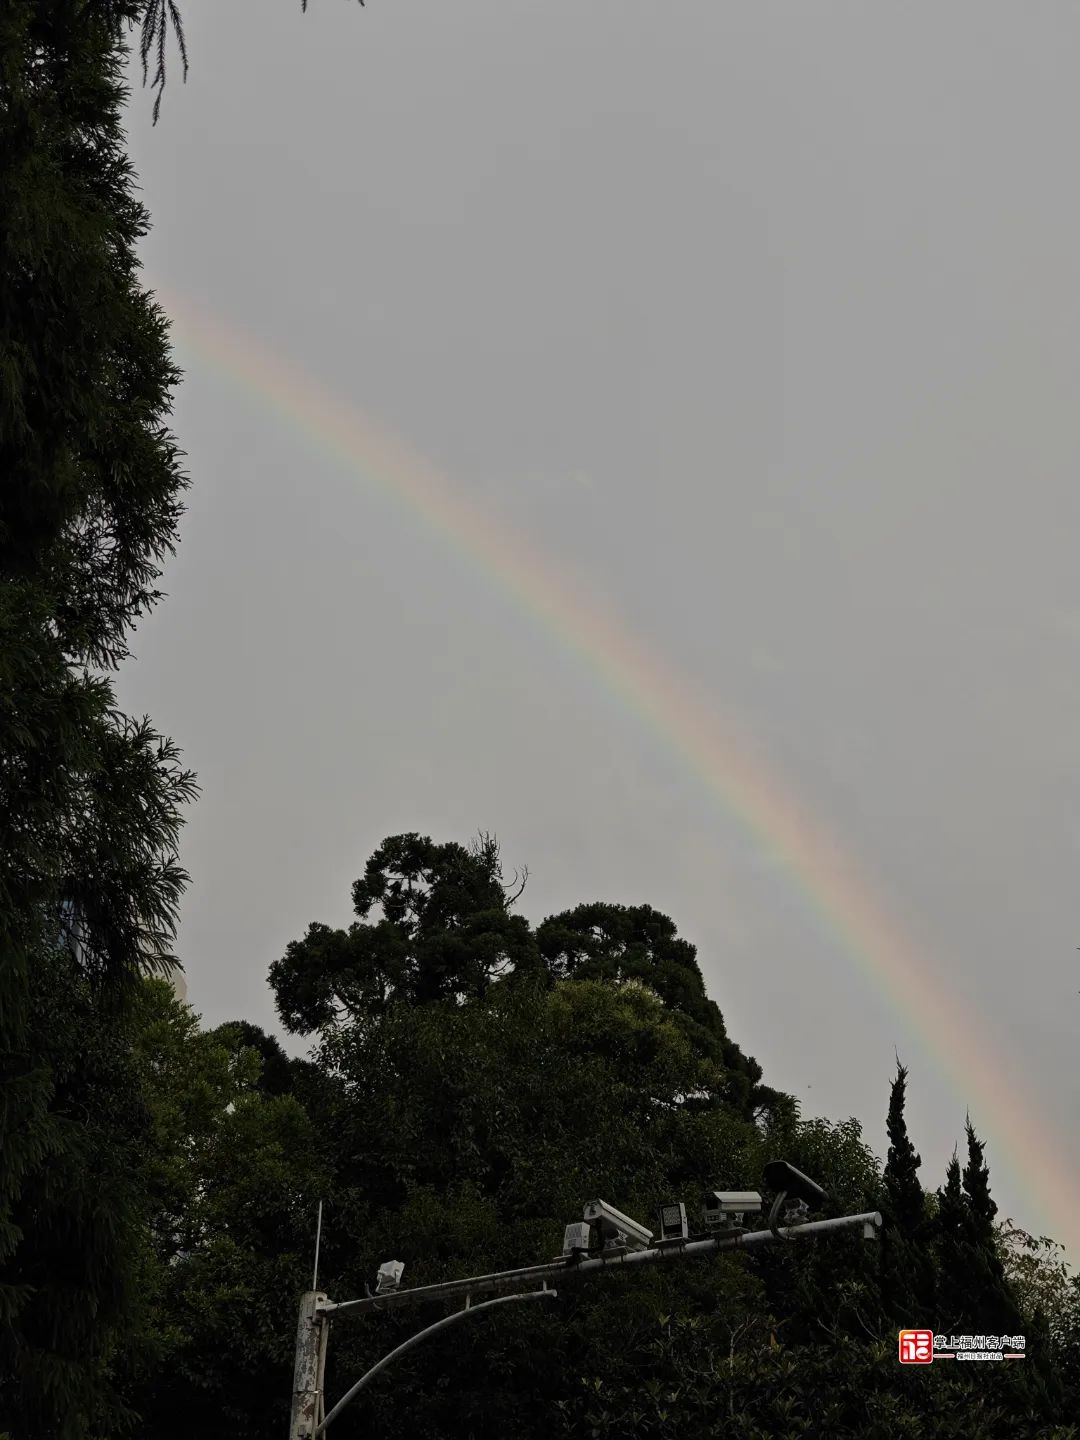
{"x":907,"y":1271}
{"x":974,"y":1292}
{"x":988,"y":1291}
{"x":992,"y":1305}
{"x":976,"y":1185}
{"x":950,"y":1233}
{"x":903,"y":1193}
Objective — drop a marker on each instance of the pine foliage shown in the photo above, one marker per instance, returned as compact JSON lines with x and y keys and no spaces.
{"x":89,"y":799}
{"x":157,"y":16}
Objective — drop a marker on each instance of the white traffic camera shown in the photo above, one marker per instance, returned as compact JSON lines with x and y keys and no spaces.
{"x":617,"y":1229}
{"x":727,"y":1207}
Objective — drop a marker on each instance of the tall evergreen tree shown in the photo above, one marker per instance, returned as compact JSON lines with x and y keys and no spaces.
{"x":989,"y":1297}
{"x":950,"y":1234}
{"x":907,"y":1272}
{"x":903,"y":1192}
{"x":990,"y":1303}
{"x":976,"y":1186}
{"x":974,"y":1295}
{"x":89,"y":800}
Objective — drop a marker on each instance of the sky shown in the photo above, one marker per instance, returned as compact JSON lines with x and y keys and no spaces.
{"x":721,"y":361}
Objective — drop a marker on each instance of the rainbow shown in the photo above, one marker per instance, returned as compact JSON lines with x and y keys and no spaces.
{"x":737,"y":778}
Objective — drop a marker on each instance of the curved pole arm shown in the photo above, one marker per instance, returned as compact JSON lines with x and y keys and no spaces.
{"x":423,"y":1335}
{"x":774,"y":1217}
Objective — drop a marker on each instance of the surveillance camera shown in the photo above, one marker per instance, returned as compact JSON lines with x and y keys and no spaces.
{"x":389,"y":1277}
{"x":615,"y":1227}
{"x":673,"y":1227}
{"x":727,"y":1209}
{"x":781,"y":1176}
{"x":719,"y":1204}
{"x":576,"y":1238}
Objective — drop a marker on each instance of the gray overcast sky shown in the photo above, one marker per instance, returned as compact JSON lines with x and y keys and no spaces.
{"x":759,"y":320}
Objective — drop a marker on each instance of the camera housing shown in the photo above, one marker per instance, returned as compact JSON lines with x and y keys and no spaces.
{"x":724,"y":1208}
{"x":389,"y":1277}
{"x":673,"y":1227}
{"x":616,"y":1229}
{"x":782,"y":1177}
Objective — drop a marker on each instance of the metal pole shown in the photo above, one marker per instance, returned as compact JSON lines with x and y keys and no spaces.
{"x":310,"y":1356}
{"x":423,"y":1335}
{"x":315,"y":1309}
{"x":324,"y":1337}
{"x":567,"y":1270}
{"x":318,"y":1237}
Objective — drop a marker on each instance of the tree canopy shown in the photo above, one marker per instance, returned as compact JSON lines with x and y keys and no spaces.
{"x":469,"y":1121}
{"x":444,"y":931}
{"x":460,"y":1129}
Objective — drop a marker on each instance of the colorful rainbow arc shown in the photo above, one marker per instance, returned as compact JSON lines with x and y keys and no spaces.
{"x":762,"y":807}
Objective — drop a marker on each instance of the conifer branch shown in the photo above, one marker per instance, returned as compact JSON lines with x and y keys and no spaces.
{"x":155,"y":24}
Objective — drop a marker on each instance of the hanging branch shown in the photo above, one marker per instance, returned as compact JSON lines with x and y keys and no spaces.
{"x":155,"y":24}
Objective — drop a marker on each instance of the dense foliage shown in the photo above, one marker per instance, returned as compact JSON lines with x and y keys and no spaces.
{"x":457,"y":1119}
{"x":90,"y":800}
{"x":76,"y":1269}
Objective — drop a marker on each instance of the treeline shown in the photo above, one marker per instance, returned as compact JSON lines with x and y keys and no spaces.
{"x":472,"y":1081}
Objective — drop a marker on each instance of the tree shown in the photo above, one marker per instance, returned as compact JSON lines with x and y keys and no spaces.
{"x":903,"y":1192}
{"x":978,"y":1297}
{"x":688,"y":1385}
{"x":603,"y":941}
{"x":458,"y":1126}
{"x":157,"y":15}
{"x":469,"y":1126}
{"x":76,"y":1264}
{"x":950,"y":1234}
{"x":459,"y":1132}
{"x":818,"y":1357}
{"x":1047,"y":1296}
{"x":973,"y":1292}
{"x":277,"y":1074}
{"x":467,"y":1136}
{"x":89,"y":799}
{"x":446,"y":931}
{"x":906,"y":1266}
{"x":233,"y":1170}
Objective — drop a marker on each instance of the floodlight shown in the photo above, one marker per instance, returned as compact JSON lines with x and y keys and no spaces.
{"x":576,"y":1238}
{"x":673,"y":1227}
